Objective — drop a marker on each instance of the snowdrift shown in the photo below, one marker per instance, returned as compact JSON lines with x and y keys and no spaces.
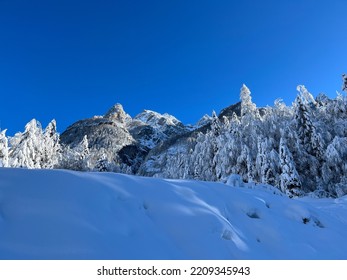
{"x":59,"y":214}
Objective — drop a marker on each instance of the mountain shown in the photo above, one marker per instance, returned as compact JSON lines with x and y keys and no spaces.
{"x":62,"y":214}
{"x":150,"y":128}
{"x":122,"y":139}
{"x":108,"y":131}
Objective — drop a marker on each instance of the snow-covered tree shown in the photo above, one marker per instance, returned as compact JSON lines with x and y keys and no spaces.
{"x":344,"y":82}
{"x":248,"y":108}
{"x":178,"y":164}
{"x":202,"y":158}
{"x":264,"y":168}
{"x":334,"y":170}
{"x":26,"y":147}
{"x":214,"y":135}
{"x":50,"y":147}
{"x":273,"y":173}
{"x":289,"y":179}
{"x":3,"y":149}
{"x":103,"y":164}
{"x":306,"y":97}
{"x":216,"y":125}
{"x":76,"y":158}
{"x":311,"y":141}
{"x":83,"y":148}
{"x":244,"y":164}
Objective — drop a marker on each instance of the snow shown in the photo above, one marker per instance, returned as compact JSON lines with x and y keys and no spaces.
{"x":157,"y":120}
{"x":206,"y":119}
{"x":235,"y":180}
{"x":60,"y":214}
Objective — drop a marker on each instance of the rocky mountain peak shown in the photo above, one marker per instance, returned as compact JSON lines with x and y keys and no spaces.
{"x":117,"y":113}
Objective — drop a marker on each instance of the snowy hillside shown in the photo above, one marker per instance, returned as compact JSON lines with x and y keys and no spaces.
{"x":55,"y":214}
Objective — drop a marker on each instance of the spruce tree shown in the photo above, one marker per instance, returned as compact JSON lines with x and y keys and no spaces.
{"x":26,"y":147}
{"x":263,"y":164}
{"x":50,"y":147}
{"x":306,"y":130}
{"x":76,"y":158}
{"x":248,"y":108}
{"x":289,"y":179}
{"x":83,"y":153}
{"x":344,"y":82}
{"x":102,"y":164}
{"x":3,"y":149}
{"x":203,"y":157}
{"x":334,"y":170}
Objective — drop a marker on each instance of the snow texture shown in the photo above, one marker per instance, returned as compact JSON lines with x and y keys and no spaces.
{"x":56,"y":214}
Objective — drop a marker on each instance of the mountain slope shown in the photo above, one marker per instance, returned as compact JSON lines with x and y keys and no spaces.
{"x":56,"y":214}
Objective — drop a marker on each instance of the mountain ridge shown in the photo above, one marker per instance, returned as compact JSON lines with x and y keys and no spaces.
{"x":126,"y":139}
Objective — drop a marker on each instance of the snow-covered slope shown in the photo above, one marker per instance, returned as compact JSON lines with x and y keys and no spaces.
{"x":55,"y":214}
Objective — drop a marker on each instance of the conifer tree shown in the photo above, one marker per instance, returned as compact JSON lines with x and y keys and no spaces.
{"x":263,"y":164}
{"x":334,"y":169}
{"x":243,"y":165}
{"x":214,"y":135}
{"x":3,"y":149}
{"x":306,"y":96}
{"x":248,"y":108}
{"x":76,"y":158}
{"x":289,"y":179}
{"x":50,"y":147}
{"x":216,"y":125}
{"x":26,"y":147}
{"x":344,"y":82}
{"x":83,"y":152}
{"x":203,"y":157}
{"x":102,"y":164}
{"x":306,"y":130}
{"x":272,"y":174}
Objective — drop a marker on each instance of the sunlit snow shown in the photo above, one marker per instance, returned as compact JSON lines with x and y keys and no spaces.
{"x":56,"y":214}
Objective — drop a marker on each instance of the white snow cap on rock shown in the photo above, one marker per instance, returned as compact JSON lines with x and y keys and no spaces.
{"x":116,"y":112}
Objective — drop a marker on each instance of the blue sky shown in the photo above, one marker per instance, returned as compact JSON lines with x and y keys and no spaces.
{"x":71,"y":60}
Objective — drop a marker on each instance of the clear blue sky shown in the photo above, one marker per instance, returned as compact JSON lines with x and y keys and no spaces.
{"x":71,"y":60}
